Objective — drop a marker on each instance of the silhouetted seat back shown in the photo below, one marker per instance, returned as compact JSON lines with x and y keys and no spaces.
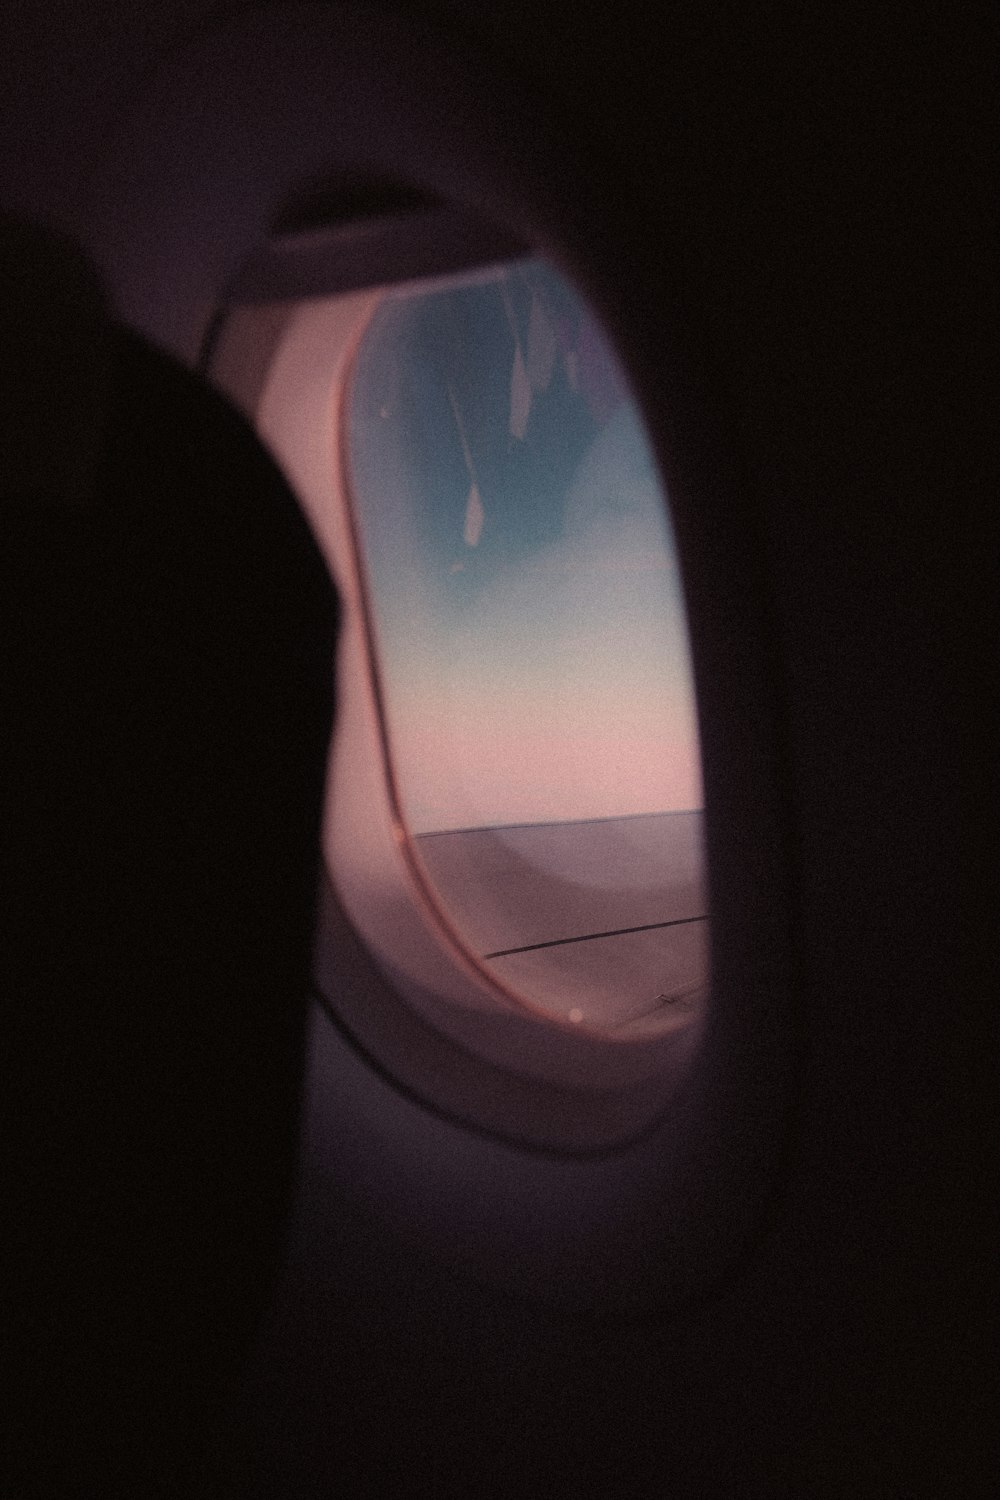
{"x":167,"y":681}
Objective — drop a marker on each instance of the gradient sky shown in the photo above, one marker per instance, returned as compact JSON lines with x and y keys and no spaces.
{"x":527,"y":607}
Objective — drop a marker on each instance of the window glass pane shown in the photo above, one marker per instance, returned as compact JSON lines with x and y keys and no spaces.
{"x":530,"y":644}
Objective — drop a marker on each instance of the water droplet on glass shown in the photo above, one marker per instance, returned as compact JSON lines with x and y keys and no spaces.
{"x":474,"y":517}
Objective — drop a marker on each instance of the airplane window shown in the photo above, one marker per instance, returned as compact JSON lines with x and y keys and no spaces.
{"x":528,"y":641}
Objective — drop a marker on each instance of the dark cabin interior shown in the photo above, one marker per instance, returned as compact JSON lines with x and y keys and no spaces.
{"x":783,"y":216}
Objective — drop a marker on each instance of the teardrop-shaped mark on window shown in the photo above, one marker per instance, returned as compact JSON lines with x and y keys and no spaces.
{"x":474,"y":517}
{"x":520,"y":396}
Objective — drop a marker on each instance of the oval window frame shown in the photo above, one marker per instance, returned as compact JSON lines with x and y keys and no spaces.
{"x":423,"y":1010}
{"x":235,"y":123}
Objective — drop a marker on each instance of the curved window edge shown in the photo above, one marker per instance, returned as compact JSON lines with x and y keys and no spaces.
{"x":484,"y":1055}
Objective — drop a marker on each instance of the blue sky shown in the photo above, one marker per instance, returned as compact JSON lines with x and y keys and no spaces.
{"x":526,"y":601}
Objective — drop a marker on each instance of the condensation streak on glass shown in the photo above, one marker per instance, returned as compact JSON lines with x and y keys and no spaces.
{"x":531,"y":645}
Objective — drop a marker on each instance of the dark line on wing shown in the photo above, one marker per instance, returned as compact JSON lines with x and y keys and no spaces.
{"x":589,"y":937}
{"x":671,"y":812}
